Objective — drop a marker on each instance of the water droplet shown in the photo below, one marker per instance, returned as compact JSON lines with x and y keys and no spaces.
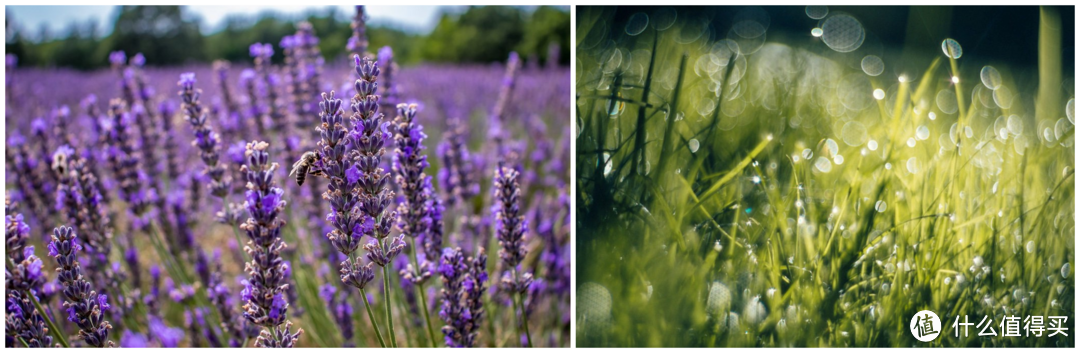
{"x":637,"y":23}
{"x":694,"y":145}
{"x":1065,"y":270}
{"x":951,"y":48}
{"x":755,"y":179}
{"x":843,"y":33}
{"x":879,"y":94}
{"x":872,"y":145}
{"x":807,"y":154}
{"x":932,"y":116}
{"x":922,"y":132}
{"x":872,"y":65}
{"x":948,"y":280}
{"x":838,"y":160}
{"x":816,"y":32}
{"x":607,"y":164}
{"x":990,"y":76}
{"x":881,"y":206}
{"x":888,"y":166}
{"x":1030,"y":247}
{"x":911,"y":142}
{"x":823,"y":164}
{"x":817,"y":12}
{"x":913,"y":165}
{"x":832,"y":147}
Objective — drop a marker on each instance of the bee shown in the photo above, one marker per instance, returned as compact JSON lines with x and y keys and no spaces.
{"x":60,"y":164}
{"x":305,"y":166}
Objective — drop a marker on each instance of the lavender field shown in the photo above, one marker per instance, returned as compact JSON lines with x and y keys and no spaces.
{"x":323,"y":202}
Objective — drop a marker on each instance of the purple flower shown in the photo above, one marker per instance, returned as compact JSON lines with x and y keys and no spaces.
{"x":117,"y":58}
{"x":133,"y":340}
{"x":461,"y":307}
{"x":414,"y":211}
{"x":24,"y":321}
{"x":267,"y":271}
{"x":138,"y":60}
{"x":84,"y":306}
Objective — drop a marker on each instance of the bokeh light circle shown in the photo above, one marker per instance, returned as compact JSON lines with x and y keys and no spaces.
{"x":637,"y":23}
{"x":872,"y":65}
{"x":843,"y":33}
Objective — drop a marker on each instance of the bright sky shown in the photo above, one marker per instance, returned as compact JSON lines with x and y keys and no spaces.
{"x":421,"y":19}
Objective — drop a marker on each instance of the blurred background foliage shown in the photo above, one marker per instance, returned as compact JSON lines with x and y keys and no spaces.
{"x":167,"y":36}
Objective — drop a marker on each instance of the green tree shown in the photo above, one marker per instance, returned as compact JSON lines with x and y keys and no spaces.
{"x":159,"y":32}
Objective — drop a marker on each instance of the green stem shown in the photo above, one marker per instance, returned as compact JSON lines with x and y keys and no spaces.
{"x":423,"y":298}
{"x":52,"y":327}
{"x":386,"y":296}
{"x":524,"y":318}
{"x":371,"y":317}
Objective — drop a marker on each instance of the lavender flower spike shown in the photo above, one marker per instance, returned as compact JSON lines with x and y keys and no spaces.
{"x":265,"y":291}
{"x":368,"y":135}
{"x":85,"y":307}
{"x":207,"y":142}
{"x":510,"y":230}
{"x":21,"y":279}
{"x":463,"y":286}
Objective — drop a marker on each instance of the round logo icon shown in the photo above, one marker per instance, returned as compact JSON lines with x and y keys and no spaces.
{"x":925,"y":326}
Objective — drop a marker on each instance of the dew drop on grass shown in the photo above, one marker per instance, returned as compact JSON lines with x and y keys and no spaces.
{"x":880,"y":206}
{"x":755,"y":179}
{"x":807,"y":154}
{"x":1030,"y":247}
{"x":888,"y":166}
{"x":817,"y":12}
{"x":607,"y":164}
{"x":911,"y":142}
{"x":990,"y":76}
{"x":838,"y":159}
{"x":823,"y":164}
{"x":872,"y":145}
{"x":872,"y":65}
{"x":637,"y":23}
{"x":932,"y":116}
{"x":951,"y":48}
{"x":879,"y":94}
{"x":832,"y":146}
{"x":719,"y":300}
{"x":843,"y":33}
{"x":922,"y":132}
{"x":694,"y":145}
{"x":1065,"y":270}
{"x":816,"y":32}
{"x":948,"y":280}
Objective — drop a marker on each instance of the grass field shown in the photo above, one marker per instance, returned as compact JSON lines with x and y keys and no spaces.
{"x":775,"y":192}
